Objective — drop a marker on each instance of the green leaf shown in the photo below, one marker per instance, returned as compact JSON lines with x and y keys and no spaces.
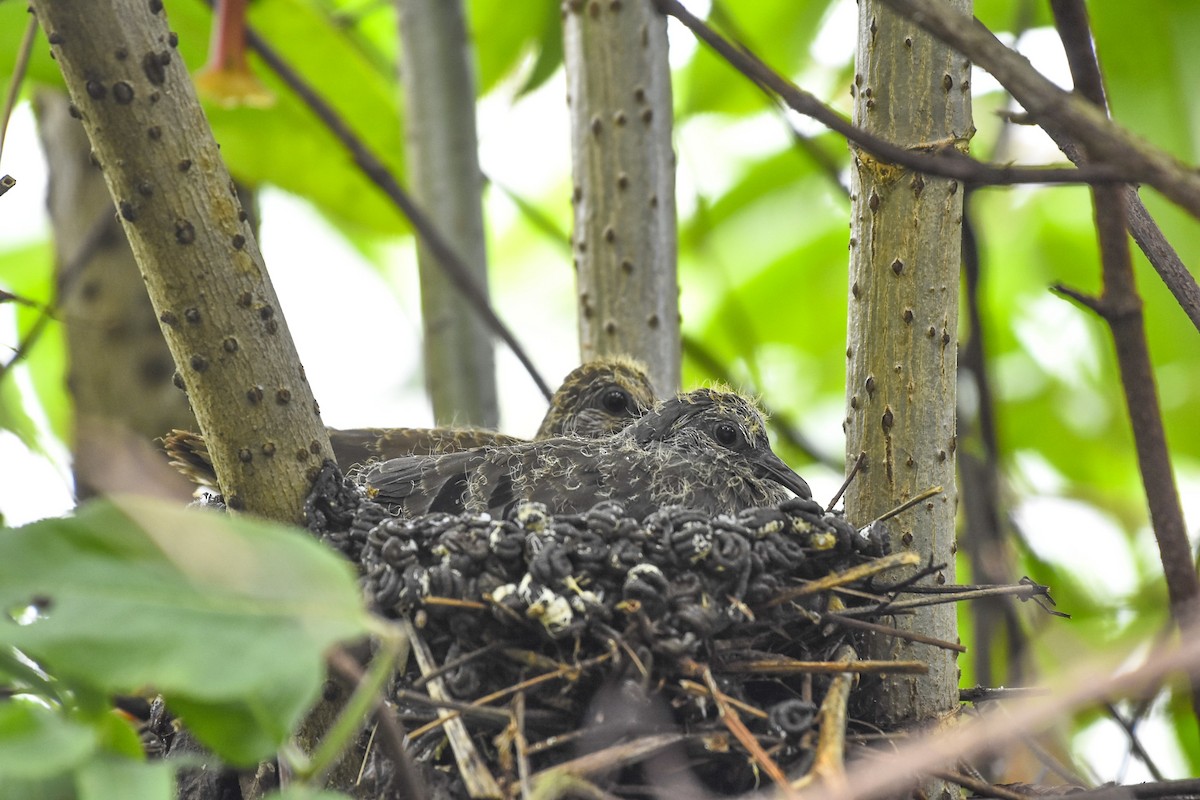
{"x":502,"y":37}
{"x":104,"y":779}
{"x":37,"y":743}
{"x":28,"y":272}
{"x":1137,"y":40}
{"x":14,"y":17}
{"x":286,"y":144}
{"x":1005,"y":15}
{"x":20,"y":676}
{"x":549,"y":54}
{"x":228,"y":617}
{"x":60,"y":787}
{"x":777,"y":31}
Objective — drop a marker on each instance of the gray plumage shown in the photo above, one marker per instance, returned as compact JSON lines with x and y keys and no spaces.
{"x":596,"y":399}
{"x":704,"y":449}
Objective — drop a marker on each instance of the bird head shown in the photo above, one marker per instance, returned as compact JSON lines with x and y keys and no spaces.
{"x":599,"y":398}
{"x":722,"y":419}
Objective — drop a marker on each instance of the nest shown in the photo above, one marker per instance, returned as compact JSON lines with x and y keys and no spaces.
{"x":681,"y":647}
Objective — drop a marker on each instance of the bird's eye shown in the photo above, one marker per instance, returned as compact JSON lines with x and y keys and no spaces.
{"x":726,"y":434}
{"x":615,"y":401}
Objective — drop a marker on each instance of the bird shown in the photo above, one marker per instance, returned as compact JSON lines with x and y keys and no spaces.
{"x":597,"y":398}
{"x":705,"y":449}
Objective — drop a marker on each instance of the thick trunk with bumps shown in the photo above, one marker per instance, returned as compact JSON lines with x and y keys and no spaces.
{"x":902,"y":337}
{"x":619,"y":91}
{"x":195,"y":247}
{"x":442,"y":151}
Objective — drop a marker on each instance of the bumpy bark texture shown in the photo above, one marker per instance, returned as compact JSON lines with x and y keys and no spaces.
{"x":195,"y":247}
{"x":619,"y":90}
{"x":901,"y":359}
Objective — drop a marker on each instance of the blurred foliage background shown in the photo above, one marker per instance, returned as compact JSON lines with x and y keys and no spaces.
{"x":763,"y":241}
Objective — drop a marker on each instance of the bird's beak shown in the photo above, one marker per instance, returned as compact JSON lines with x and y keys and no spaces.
{"x":773,"y":467}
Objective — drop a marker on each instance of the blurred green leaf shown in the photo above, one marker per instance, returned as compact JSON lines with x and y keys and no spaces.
{"x":549,"y":54}
{"x":777,"y":31}
{"x":1008,"y":16}
{"x":1187,"y":731}
{"x":14,"y":17}
{"x":286,"y":145}
{"x":37,"y":743}
{"x":138,"y":593}
{"x":104,"y":779}
{"x":504,"y":35}
{"x":370,"y":25}
{"x":27,"y":271}
{"x":1134,"y":41}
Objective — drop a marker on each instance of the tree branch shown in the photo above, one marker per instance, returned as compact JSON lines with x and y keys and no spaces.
{"x":1048,"y":105}
{"x":195,"y":247}
{"x":1149,"y":237}
{"x":933,"y":158}
{"x":377,"y":172}
{"x":1162,"y":256}
{"x":1121,"y":307}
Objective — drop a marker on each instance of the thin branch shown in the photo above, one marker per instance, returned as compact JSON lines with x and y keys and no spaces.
{"x":1135,"y":743}
{"x":14,"y":87}
{"x":990,"y":694}
{"x":471,"y":765}
{"x":1083,"y":684}
{"x":1081,"y":298}
{"x":67,"y":275}
{"x":1162,"y":256}
{"x":377,"y":172}
{"x":826,"y":164}
{"x":1021,"y":591}
{"x":932,"y":491}
{"x":944,"y":161}
{"x":1050,"y":106}
{"x":980,"y":788}
{"x":980,"y":475}
{"x":391,"y":732}
{"x":733,"y":722}
{"x":890,"y":630}
{"x":780,"y":665}
{"x":1121,"y":307}
{"x":45,"y":314}
{"x":859,"y":463}
{"x":857,"y":573}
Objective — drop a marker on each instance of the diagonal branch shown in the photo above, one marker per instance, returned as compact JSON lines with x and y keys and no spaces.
{"x":375,"y":170}
{"x":1049,"y":105}
{"x":1121,"y":307}
{"x":937,"y":158}
{"x":1149,"y":237}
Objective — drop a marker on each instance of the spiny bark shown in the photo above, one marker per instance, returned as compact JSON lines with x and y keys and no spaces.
{"x":619,"y":91}
{"x":195,"y":247}
{"x":443,"y":154}
{"x":902,"y":338}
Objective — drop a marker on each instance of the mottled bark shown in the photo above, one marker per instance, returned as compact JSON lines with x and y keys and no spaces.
{"x":443,"y":154}
{"x":118,"y":366}
{"x":195,"y":247}
{"x":902,"y":338}
{"x":619,"y":91}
